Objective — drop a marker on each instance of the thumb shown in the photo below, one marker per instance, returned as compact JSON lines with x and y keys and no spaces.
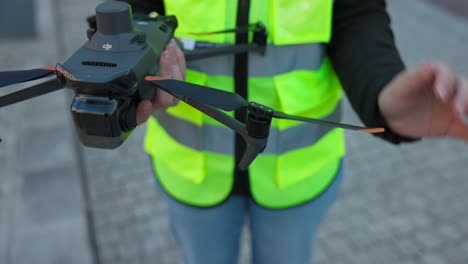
{"x":144,"y":110}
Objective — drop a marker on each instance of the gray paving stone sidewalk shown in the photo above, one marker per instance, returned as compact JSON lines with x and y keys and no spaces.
{"x":402,"y":204}
{"x":42,"y":216}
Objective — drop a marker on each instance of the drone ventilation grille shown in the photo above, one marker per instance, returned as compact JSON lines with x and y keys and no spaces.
{"x":163,"y":28}
{"x":99,"y":64}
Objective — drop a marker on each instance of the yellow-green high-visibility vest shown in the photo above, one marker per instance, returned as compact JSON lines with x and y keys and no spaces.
{"x":193,"y":155}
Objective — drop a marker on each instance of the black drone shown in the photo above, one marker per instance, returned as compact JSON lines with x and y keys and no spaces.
{"x":117,"y":68}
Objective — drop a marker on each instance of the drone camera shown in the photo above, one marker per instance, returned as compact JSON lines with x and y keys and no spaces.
{"x":102,"y":122}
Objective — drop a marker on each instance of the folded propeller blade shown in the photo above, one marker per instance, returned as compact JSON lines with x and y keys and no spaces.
{"x":226,"y":101}
{"x":39,"y":89}
{"x":13,"y":77}
{"x":328,"y":123}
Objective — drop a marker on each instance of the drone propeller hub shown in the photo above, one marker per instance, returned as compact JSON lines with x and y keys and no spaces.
{"x":258,"y":120}
{"x":260,"y":111}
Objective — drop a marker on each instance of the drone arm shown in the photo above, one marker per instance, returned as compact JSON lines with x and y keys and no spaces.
{"x":31,"y":92}
{"x":218,"y":115}
{"x":259,"y":43}
{"x":255,"y":146}
{"x":191,"y":55}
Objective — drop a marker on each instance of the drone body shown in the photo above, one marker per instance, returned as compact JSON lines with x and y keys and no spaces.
{"x":107,"y":73}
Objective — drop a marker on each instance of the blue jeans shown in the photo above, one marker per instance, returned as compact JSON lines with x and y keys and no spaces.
{"x":212,"y":235}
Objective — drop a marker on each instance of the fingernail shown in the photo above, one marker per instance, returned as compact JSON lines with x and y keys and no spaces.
{"x":464,"y":119}
{"x":463,"y":114}
{"x":442,"y":93}
{"x":148,"y":110}
{"x":176,"y":72}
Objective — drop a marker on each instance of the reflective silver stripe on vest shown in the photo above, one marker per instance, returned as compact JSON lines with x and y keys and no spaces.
{"x":220,"y":139}
{"x":277,"y":60}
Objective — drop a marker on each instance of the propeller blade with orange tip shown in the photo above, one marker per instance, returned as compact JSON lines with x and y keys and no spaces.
{"x":224,"y":100}
{"x":373,"y":130}
{"x":13,"y":77}
{"x":39,"y":89}
{"x":328,"y":123}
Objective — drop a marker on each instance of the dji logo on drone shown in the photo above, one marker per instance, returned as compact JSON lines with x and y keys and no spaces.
{"x":107,"y":46}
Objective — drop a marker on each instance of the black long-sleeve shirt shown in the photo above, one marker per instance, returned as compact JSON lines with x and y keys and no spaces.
{"x":364,"y":55}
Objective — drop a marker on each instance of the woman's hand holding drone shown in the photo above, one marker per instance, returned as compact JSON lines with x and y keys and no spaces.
{"x":171,"y":65}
